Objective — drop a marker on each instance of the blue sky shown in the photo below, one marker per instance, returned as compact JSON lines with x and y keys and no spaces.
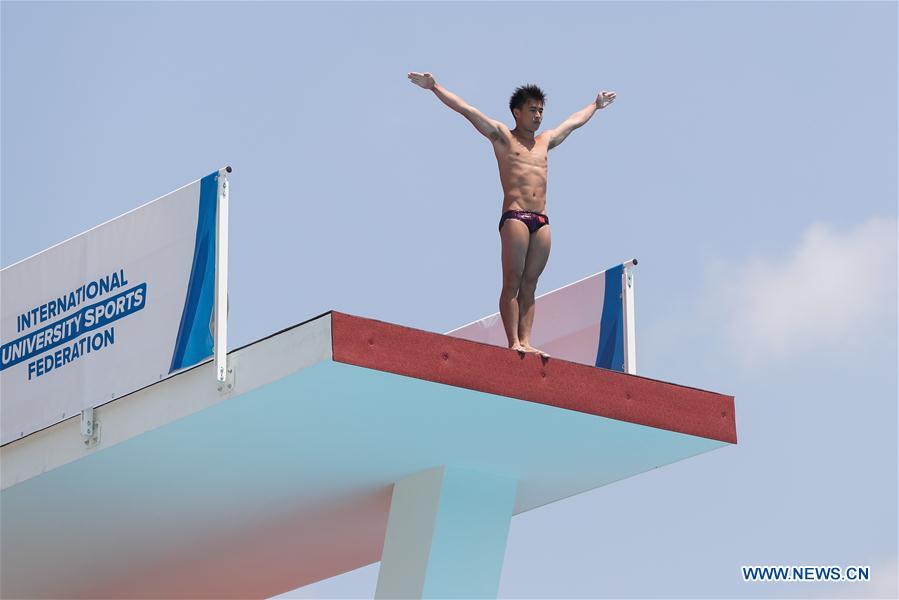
{"x":749,"y":163}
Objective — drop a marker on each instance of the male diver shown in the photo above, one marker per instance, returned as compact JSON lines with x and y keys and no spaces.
{"x":524,"y":226}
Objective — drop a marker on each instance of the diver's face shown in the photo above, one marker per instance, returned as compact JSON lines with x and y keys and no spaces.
{"x":530,"y":115}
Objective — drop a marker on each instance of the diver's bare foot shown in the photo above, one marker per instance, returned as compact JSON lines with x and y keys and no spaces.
{"x":519,"y":348}
{"x":529,"y":348}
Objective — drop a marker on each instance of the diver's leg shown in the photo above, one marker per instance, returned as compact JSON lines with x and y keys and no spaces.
{"x":515,"y":238}
{"x":535,"y":261}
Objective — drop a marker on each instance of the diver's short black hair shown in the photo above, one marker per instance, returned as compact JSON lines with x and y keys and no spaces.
{"x":524,"y":93}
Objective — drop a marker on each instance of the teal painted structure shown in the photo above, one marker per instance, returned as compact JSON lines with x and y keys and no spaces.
{"x":446,"y":535}
{"x":291,"y":479}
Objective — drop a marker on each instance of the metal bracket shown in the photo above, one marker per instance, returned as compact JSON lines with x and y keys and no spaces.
{"x":90,"y":427}
{"x":227,"y":385}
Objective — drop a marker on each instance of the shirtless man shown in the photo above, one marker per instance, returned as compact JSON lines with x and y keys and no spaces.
{"x":524,"y":227}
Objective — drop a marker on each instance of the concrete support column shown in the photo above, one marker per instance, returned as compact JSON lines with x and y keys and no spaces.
{"x":446,"y":535}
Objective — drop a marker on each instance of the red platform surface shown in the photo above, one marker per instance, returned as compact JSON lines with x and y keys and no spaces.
{"x":554,"y":382}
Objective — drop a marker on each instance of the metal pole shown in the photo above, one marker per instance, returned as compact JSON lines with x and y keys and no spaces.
{"x":221,"y":279}
{"x":627,"y":301}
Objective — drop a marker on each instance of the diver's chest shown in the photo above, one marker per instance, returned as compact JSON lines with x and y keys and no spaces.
{"x":520,"y":154}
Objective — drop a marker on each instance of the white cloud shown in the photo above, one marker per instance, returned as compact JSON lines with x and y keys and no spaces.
{"x":831,"y":289}
{"x":884,"y":582}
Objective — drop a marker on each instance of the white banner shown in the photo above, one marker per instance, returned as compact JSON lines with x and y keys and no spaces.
{"x":109,"y":311}
{"x":590,"y":321}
